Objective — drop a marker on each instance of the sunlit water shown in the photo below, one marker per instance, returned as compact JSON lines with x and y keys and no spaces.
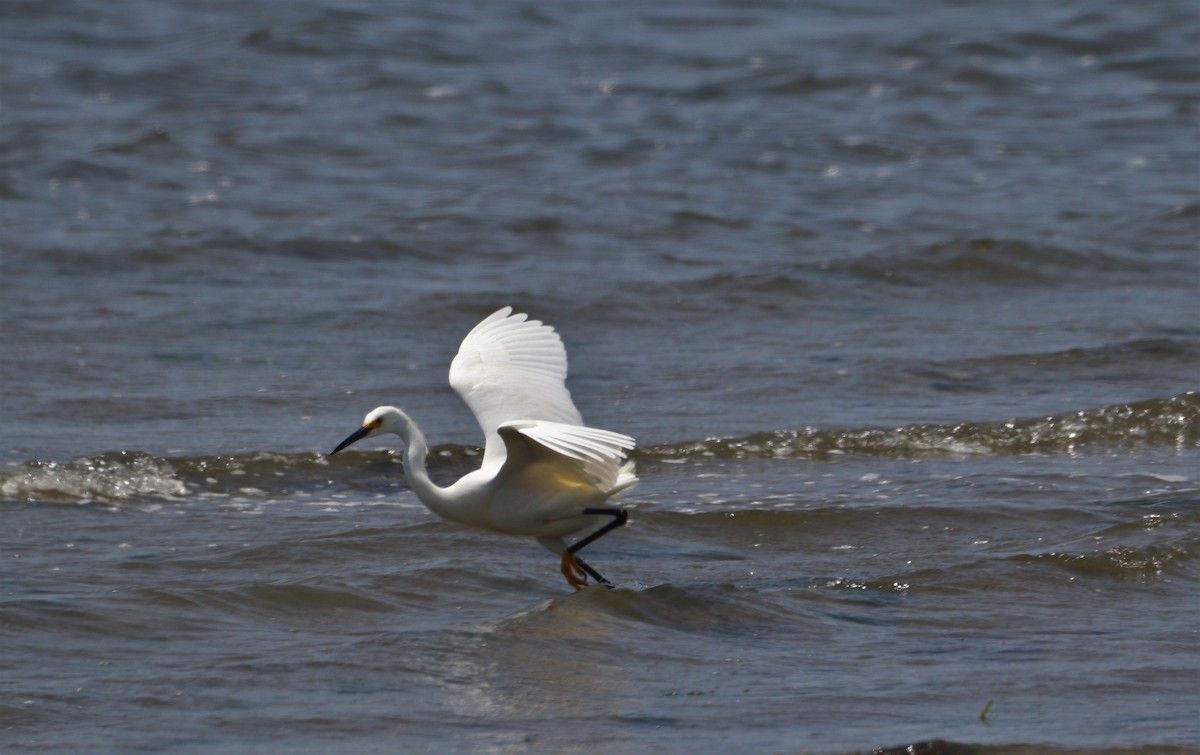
{"x":899,"y":301}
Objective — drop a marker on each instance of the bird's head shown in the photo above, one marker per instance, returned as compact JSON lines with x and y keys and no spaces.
{"x":379,"y":421}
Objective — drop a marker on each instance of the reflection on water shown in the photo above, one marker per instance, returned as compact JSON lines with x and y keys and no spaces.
{"x":555,"y":662}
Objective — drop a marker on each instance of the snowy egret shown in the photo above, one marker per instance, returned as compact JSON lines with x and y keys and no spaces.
{"x":544,"y":474}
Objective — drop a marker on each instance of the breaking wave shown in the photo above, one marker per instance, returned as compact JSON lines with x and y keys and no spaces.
{"x":1173,"y":421}
{"x":129,"y":476}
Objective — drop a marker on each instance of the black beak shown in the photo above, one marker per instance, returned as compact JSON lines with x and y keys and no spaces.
{"x":355,"y":436}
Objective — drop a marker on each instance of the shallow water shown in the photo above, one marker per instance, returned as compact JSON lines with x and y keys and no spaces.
{"x":900,"y":303}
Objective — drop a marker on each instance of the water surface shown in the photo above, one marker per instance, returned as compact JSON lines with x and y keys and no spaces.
{"x":899,"y":301}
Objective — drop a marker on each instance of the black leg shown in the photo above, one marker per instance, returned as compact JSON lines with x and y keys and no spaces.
{"x":620,"y":516}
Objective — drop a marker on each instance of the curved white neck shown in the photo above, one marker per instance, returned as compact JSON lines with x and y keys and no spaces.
{"x":416,"y":449}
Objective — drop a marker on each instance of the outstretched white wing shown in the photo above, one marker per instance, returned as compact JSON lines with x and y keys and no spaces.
{"x":586,"y":454}
{"x":512,"y":368}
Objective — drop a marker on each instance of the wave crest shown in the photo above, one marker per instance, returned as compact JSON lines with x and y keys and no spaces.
{"x":122,"y":477}
{"x":109,"y":478}
{"x":1173,"y":421}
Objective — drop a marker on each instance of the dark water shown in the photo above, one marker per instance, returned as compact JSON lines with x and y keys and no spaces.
{"x":899,"y":299}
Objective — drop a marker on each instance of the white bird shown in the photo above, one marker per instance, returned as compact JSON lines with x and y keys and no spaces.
{"x":544,"y":474}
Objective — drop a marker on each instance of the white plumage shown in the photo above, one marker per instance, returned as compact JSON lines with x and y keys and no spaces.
{"x":544,"y":473}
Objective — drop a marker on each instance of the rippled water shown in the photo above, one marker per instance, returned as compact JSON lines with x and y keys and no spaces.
{"x":899,"y":301}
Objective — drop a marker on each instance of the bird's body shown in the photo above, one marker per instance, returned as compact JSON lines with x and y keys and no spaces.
{"x":544,"y":473}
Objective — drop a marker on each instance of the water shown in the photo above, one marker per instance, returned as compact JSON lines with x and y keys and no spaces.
{"x":899,"y":301}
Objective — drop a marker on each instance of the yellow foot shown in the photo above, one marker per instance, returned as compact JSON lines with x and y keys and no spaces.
{"x":576,"y":576}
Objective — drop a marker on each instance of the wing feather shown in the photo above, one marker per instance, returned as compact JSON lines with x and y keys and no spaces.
{"x":512,"y":368}
{"x":599,"y":457}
